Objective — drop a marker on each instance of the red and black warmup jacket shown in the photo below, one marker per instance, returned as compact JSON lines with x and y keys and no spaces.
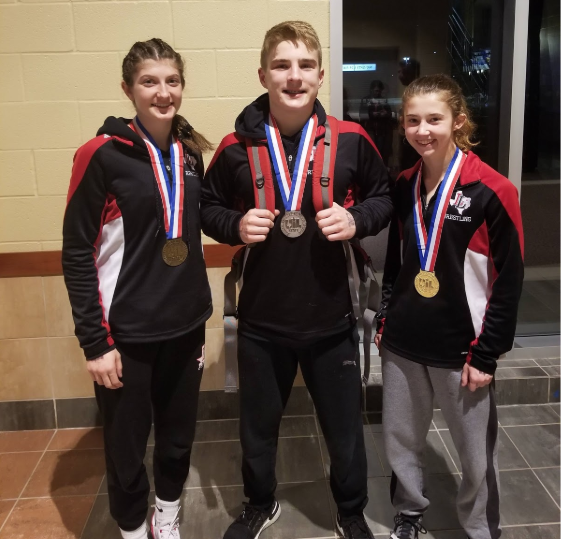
{"x":119,"y":286}
{"x":295,"y":289}
{"x":479,"y":266}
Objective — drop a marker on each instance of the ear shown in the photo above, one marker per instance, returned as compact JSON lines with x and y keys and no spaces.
{"x":261,"y":75}
{"x":321,"y":76}
{"x":459,"y":122}
{"x":127,"y":91}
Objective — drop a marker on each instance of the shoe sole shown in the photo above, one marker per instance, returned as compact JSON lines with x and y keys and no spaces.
{"x":272,"y":520}
{"x":340,"y":530}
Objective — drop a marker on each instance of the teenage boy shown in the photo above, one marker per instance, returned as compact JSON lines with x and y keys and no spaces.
{"x":295,"y":306}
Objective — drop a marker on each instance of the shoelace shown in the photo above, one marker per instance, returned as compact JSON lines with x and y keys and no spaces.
{"x":249,"y":513}
{"x":404,"y":526}
{"x":357,"y":527}
{"x":172,"y":527}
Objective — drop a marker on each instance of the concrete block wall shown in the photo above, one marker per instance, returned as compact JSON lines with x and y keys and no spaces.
{"x":60,"y":62}
{"x":61,"y":77}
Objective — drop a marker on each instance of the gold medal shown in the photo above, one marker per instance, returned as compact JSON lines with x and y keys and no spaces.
{"x":174,"y":252}
{"x":426,"y":284}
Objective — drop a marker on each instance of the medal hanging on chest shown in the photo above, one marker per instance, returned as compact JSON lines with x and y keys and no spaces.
{"x":175,"y":250}
{"x":425,"y":282}
{"x":293,"y":223}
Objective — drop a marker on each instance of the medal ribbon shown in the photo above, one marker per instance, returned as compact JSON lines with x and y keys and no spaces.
{"x":171,"y":195}
{"x":291,"y":189}
{"x":428,"y":242}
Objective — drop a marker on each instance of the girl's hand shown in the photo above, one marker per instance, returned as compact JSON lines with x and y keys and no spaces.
{"x":106,"y":370}
{"x":378,"y":339}
{"x":473,"y":378}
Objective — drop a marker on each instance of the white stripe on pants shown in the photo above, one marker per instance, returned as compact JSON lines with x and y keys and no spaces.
{"x":408,"y":391}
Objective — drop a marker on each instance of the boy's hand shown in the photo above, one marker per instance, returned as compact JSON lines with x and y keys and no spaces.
{"x":378,"y":338}
{"x":107,"y":370}
{"x":336,"y":223}
{"x":255,"y":225}
{"x":473,"y":378}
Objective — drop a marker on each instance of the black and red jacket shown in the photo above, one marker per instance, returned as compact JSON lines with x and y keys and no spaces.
{"x":295,"y":289}
{"x":479,"y":266}
{"x":119,"y":286}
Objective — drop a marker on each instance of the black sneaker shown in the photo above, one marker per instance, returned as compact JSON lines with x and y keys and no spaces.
{"x":407,"y":526}
{"x":252,"y":521}
{"x":354,"y":527}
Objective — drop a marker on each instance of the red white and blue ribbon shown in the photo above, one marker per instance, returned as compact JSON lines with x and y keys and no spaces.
{"x":428,"y":241}
{"x":291,"y":189}
{"x":171,"y":195}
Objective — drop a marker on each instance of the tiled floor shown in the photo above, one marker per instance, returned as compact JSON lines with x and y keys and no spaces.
{"x":52,"y":482}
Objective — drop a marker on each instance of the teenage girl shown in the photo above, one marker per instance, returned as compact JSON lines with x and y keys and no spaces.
{"x":451,"y":286}
{"x":136,"y":279}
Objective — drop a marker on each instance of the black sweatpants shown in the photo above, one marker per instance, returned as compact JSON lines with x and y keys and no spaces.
{"x":332,"y":374}
{"x":160,"y":379}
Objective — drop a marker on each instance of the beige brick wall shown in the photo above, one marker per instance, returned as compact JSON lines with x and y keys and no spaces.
{"x":60,"y":62}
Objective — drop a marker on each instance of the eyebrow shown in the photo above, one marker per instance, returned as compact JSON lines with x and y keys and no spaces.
{"x":430,"y":114}
{"x":312,"y":60}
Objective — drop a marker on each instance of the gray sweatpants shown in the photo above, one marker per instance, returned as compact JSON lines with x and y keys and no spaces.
{"x":408,"y":391}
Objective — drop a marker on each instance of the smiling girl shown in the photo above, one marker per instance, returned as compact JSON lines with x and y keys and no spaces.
{"x":451,"y":286}
{"x":136,"y":278}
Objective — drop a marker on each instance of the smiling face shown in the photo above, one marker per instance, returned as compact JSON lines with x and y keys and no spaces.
{"x":292,"y":78}
{"x":156,"y":91}
{"x":429,"y":125}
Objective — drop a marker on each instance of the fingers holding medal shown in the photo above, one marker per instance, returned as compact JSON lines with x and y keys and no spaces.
{"x":256,"y":224}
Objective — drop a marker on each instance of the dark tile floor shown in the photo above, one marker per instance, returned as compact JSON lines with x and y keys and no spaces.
{"x":52,"y":482}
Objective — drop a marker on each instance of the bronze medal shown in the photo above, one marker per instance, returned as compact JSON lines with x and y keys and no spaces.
{"x":426,"y":284}
{"x":293,"y":224}
{"x":174,"y":252}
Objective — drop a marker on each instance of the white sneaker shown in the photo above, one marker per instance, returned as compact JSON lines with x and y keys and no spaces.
{"x":165,"y":528}
{"x":139,"y":533}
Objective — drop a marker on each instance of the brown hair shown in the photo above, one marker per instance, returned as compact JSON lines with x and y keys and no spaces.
{"x":292,"y":31}
{"x":452,"y":95}
{"x":157,"y":49}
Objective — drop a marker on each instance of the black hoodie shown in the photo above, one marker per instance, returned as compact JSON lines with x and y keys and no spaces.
{"x":113,"y":233}
{"x":295,"y":290}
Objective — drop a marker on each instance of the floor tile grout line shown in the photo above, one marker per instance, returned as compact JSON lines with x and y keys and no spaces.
{"x":93,"y":504}
{"x":448,"y":452}
{"x":326,"y":478}
{"x":533,"y":524}
{"x":529,"y":425}
{"x":532,"y":470}
{"x":383,"y":468}
{"x":27,"y":482}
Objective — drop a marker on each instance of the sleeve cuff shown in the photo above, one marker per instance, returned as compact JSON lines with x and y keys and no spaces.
{"x":359,"y":224}
{"x":96,"y":351}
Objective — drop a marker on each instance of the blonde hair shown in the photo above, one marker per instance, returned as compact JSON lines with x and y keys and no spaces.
{"x":292,"y":31}
{"x":451,"y":92}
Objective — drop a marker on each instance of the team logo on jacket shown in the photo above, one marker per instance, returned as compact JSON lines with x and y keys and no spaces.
{"x":460,"y":202}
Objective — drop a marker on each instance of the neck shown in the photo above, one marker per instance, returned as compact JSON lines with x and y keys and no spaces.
{"x":159,"y":131}
{"x":292,"y":122}
{"x":435,"y":167}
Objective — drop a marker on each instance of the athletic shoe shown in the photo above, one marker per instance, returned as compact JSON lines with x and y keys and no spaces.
{"x":407,"y":526}
{"x":165,"y":529}
{"x":354,"y":527}
{"x":252,"y":521}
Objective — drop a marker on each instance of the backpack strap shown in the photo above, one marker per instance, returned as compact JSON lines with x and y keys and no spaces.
{"x":324,"y":165}
{"x":262,"y":178}
{"x":230,"y":318}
